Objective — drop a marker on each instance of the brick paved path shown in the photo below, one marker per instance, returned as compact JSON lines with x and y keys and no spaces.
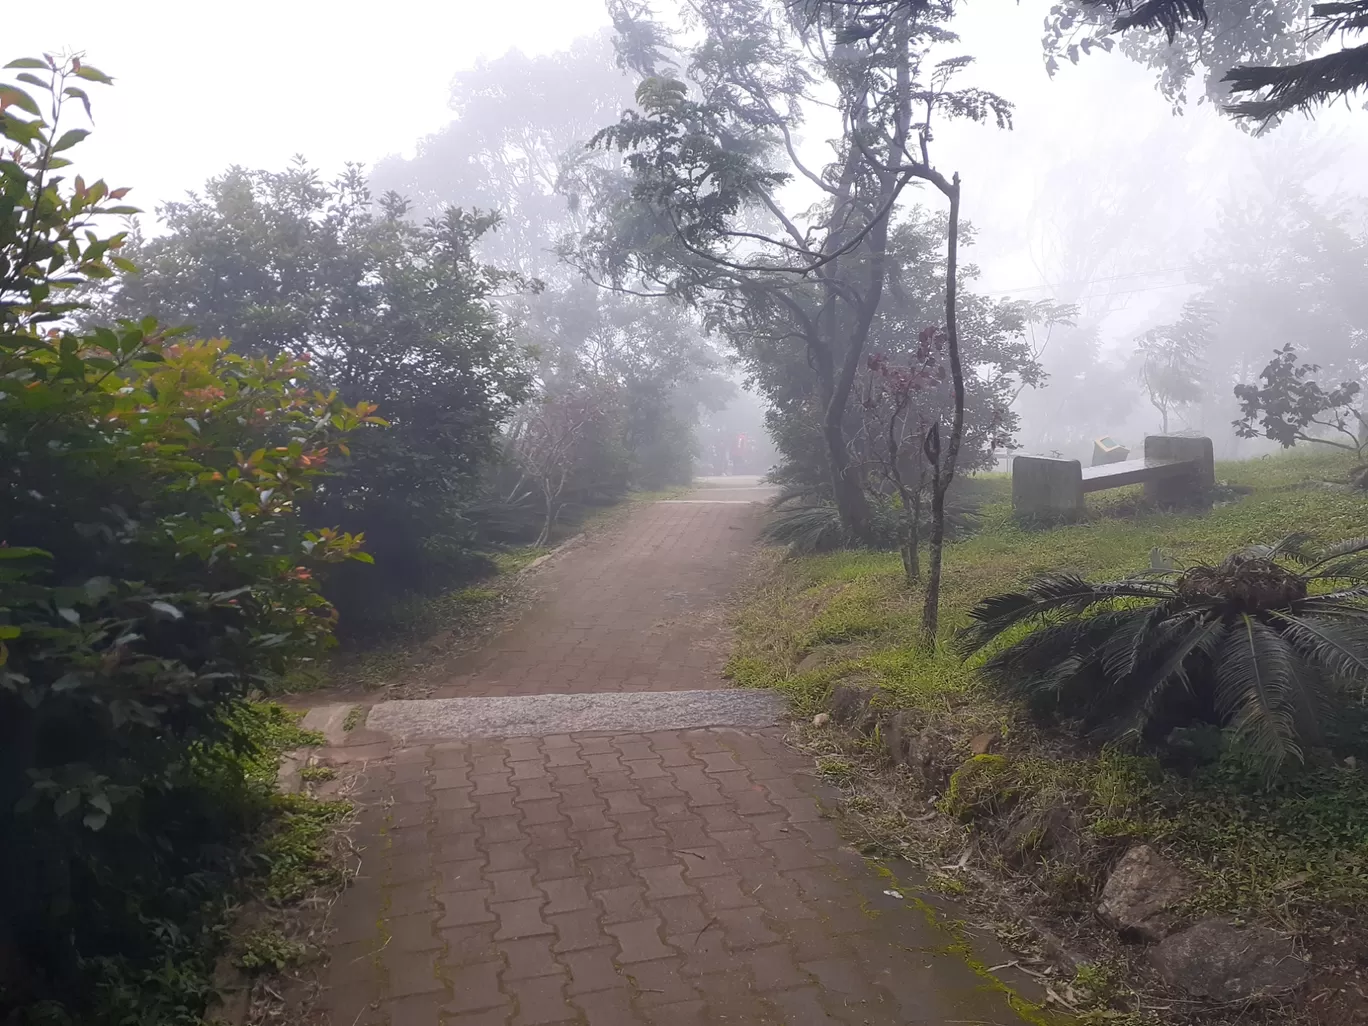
{"x":637,"y":609}
{"x":611,"y":880}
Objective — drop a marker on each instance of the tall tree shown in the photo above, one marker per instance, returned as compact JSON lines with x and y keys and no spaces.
{"x":516,"y":137}
{"x":1170,"y":360}
{"x":702,"y":219}
{"x":382,"y":307}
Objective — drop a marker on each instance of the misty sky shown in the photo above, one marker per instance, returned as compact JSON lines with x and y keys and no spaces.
{"x":253,"y":83}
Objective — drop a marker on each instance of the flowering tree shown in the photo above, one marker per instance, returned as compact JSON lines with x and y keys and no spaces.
{"x":558,"y":440}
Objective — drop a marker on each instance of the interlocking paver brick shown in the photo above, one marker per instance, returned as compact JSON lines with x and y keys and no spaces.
{"x":465,"y":908}
{"x":475,"y":987}
{"x":530,"y":957}
{"x":664,"y":877}
{"x":594,"y":969}
{"x":565,"y":895}
{"x":639,"y":941}
{"x":541,"y":1000}
{"x":520,"y":918}
{"x":578,"y":930}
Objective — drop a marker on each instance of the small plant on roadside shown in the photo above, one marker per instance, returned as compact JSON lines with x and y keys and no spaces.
{"x":355,"y":718}
{"x":1261,"y":643}
{"x":269,"y":951}
{"x":317,"y":774}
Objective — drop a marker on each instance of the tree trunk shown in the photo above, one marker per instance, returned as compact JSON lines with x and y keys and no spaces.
{"x":911,"y":542}
{"x":847,"y":488}
{"x":944,"y":467}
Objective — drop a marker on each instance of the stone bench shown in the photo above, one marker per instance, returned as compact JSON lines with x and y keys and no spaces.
{"x":1175,"y":470}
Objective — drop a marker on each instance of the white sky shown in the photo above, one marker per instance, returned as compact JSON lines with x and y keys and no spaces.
{"x":200,"y":87}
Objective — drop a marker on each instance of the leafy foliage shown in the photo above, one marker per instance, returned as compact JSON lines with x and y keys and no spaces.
{"x":154,"y":568}
{"x":1262,"y":642}
{"x":699,"y":215}
{"x":801,"y":520}
{"x":1169,"y":360}
{"x":383,"y":309}
{"x":1290,"y":406}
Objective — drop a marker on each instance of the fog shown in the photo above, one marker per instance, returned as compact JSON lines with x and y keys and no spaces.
{"x":1105,"y":195}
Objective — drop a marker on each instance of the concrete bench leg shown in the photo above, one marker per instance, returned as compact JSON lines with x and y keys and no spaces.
{"x":1043,"y":487}
{"x":1185,"y":489}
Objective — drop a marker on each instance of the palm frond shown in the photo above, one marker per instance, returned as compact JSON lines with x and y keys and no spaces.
{"x":1348,"y":547}
{"x":1255,"y":683}
{"x":1125,"y":650}
{"x":1046,"y":662}
{"x":1291,"y":545}
{"x":1174,"y":644}
{"x":1333,"y":643}
{"x":805,"y":529}
{"x":1046,"y":594}
{"x":1346,"y":602}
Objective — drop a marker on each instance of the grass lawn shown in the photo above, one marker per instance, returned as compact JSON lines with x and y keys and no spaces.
{"x":1293,"y":855}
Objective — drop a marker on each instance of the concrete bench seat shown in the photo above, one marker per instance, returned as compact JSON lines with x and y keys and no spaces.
{"x":1175,"y":470}
{"x":1129,"y":472}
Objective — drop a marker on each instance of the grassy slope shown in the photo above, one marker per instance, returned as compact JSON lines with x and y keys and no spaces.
{"x":1296,"y":856}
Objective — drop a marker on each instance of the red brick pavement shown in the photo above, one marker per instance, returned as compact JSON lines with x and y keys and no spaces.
{"x":634,"y":609}
{"x":663,"y":878}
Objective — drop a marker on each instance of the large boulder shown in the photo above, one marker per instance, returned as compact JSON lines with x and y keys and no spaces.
{"x":929,"y":754}
{"x":1035,"y":834}
{"x":1219,"y":960}
{"x":849,"y":706}
{"x":1141,"y":890}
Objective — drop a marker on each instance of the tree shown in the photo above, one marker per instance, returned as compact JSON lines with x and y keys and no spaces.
{"x":155,"y":569}
{"x":700,"y":219}
{"x":1260,"y":50}
{"x":909,"y":388}
{"x":1170,"y":361}
{"x":652,"y":355}
{"x":517,"y":145}
{"x":1291,"y":406}
{"x":382,"y":307}
{"x":1243,"y":47}
{"x":565,"y":436}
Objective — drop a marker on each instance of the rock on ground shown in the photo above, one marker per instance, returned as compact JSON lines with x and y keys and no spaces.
{"x":1140,"y":891}
{"x":1219,"y":960}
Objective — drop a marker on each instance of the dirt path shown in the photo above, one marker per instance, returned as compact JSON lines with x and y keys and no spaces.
{"x":673,"y":867}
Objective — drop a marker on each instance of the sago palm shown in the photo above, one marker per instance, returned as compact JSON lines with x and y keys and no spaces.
{"x":1263,"y":643}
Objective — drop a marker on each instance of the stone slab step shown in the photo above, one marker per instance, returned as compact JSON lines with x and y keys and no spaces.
{"x":540,"y":715}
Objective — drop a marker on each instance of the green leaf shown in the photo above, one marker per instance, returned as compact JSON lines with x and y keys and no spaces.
{"x":14,"y":95}
{"x":33,"y":80}
{"x":69,"y":139}
{"x":66,"y":682}
{"x":66,"y":803}
{"x":28,"y":62}
{"x":167,"y":609}
{"x":96,"y":820}
{"x":91,"y":74}
{"x":101,"y":802}
{"x":8,"y":630}
{"x":80,"y":95}
{"x":22,"y":552}
{"x":69,"y":615}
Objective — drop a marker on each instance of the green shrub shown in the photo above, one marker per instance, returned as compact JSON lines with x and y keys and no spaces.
{"x":1263,"y":643}
{"x":153,"y":571}
{"x":389,"y":310}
